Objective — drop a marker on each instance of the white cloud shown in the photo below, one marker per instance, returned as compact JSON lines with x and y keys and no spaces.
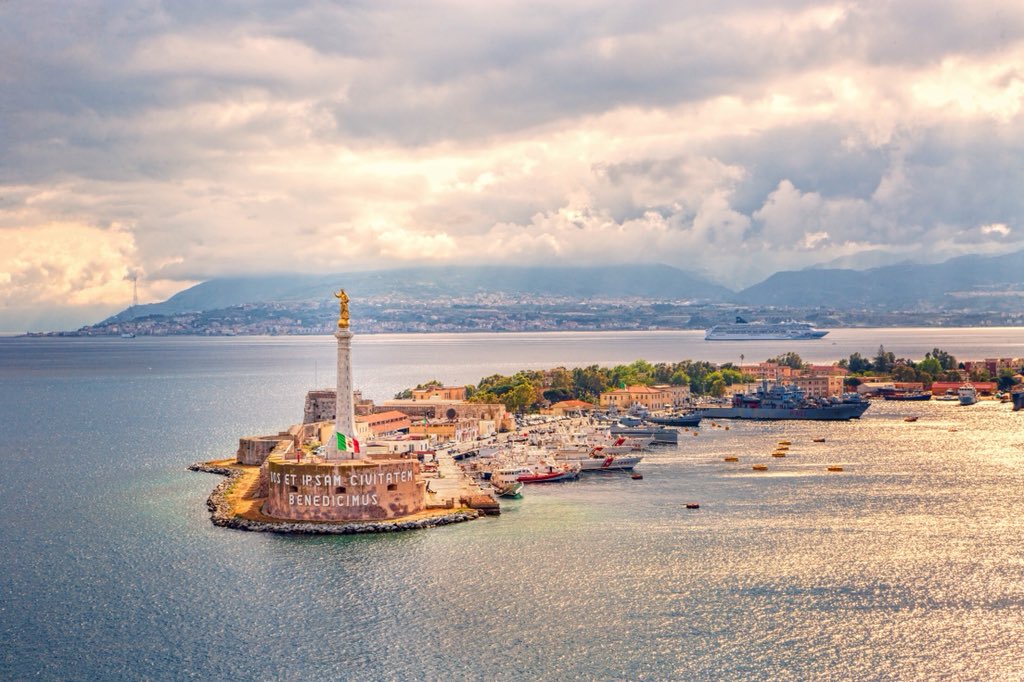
{"x":737,"y":138}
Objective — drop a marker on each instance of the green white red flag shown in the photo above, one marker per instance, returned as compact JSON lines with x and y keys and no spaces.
{"x":347,"y":444}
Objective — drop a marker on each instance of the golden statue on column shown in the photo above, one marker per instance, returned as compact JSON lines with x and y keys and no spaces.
{"x":343,"y":314}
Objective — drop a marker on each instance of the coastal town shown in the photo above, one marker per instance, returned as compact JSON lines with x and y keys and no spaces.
{"x":437,"y":454}
{"x":512,"y":313}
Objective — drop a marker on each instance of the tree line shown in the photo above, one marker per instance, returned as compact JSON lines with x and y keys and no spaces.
{"x":530,"y":389}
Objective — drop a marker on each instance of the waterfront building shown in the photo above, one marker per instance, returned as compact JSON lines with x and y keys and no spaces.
{"x":439,"y":393}
{"x":338,"y":481}
{"x":772,"y":371}
{"x":649,"y":397}
{"x":826,"y":370}
{"x":447,"y":430}
{"x":401,"y":447}
{"x":254,"y":450}
{"x":820,"y":386}
{"x":983,"y":387}
{"x":383,"y":424}
{"x":419,"y":410}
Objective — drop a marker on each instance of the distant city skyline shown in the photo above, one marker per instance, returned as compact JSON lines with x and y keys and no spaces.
{"x":179,"y":142}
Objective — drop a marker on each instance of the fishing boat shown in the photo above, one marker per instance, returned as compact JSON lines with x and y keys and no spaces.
{"x":535,"y":473}
{"x":512,"y":489}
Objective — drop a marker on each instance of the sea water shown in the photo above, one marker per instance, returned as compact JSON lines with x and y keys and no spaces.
{"x":908,"y":564}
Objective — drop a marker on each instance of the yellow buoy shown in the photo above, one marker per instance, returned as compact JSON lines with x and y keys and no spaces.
{"x":784,"y":442}
{"x":732,"y":459}
{"x":760,"y":467}
{"x":835,"y":468}
{"x":778,"y":454}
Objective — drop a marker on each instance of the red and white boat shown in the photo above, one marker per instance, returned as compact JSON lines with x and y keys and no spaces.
{"x":536,"y":473}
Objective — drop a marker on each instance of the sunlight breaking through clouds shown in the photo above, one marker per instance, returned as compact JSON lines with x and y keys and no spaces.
{"x":736,"y":140}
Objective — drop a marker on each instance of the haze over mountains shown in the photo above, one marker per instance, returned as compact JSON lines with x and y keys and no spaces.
{"x":428,"y":284}
{"x":967,"y":282}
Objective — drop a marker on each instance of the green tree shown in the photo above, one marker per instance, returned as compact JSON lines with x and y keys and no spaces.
{"x":884,"y":361}
{"x":945,"y":360}
{"x":980,"y":374}
{"x":557,"y":395}
{"x":1005,"y":380}
{"x":520,"y":397}
{"x":731,"y":376}
{"x":931,"y":365}
{"x":903,"y":372}
{"x":859,"y":364}
{"x":789,"y":360}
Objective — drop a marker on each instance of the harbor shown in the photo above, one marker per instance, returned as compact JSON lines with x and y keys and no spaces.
{"x":907,"y":557}
{"x":431,"y":457}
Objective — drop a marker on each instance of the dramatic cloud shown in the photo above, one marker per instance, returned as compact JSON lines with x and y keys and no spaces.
{"x":183,"y":141}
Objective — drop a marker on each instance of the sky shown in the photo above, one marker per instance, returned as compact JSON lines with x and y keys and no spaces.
{"x":173,"y":142}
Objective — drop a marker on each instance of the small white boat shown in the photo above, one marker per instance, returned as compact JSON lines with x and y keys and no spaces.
{"x":600,"y":460}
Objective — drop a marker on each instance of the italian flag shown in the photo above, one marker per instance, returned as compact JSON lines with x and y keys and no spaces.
{"x":347,"y":443}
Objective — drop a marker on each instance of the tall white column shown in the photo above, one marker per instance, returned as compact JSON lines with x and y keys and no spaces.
{"x":345,"y":421}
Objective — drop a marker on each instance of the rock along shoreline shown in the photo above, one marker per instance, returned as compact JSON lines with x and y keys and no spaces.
{"x":222,"y":515}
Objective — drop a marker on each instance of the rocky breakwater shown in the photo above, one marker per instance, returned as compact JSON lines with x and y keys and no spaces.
{"x":222,"y":513}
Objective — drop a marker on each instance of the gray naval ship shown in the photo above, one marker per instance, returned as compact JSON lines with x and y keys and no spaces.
{"x":783,"y":401}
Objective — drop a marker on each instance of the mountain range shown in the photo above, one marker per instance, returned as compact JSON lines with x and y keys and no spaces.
{"x":435,"y":283}
{"x":968,"y":283}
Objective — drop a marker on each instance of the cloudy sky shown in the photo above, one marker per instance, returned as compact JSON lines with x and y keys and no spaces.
{"x":184,"y":140}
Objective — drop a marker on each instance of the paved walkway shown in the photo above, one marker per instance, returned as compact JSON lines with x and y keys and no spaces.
{"x":451,"y":482}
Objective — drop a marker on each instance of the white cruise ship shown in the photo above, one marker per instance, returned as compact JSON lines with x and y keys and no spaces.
{"x":741,"y":330}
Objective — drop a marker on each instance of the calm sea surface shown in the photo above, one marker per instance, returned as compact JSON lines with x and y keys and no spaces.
{"x":907,"y":565}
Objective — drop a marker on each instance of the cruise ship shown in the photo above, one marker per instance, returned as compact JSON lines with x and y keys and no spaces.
{"x":741,"y":330}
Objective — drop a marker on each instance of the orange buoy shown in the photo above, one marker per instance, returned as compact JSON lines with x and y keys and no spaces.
{"x":778,"y":454}
{"x":692,"y":505}
{"x":760,"y":467}
{"x":732,"y":459}
{"x":835,"y":468}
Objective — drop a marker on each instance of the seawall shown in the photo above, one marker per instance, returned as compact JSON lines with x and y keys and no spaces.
{"x":223,"y":514}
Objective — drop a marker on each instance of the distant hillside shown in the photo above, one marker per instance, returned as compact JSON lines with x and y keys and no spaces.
{"x":960,"y":282}
{"x":660,"y":282}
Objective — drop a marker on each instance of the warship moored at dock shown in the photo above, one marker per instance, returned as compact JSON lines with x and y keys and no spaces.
{"x":783,"y":401}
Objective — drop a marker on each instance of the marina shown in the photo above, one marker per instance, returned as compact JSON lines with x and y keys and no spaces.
{"x":874,"y":566}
